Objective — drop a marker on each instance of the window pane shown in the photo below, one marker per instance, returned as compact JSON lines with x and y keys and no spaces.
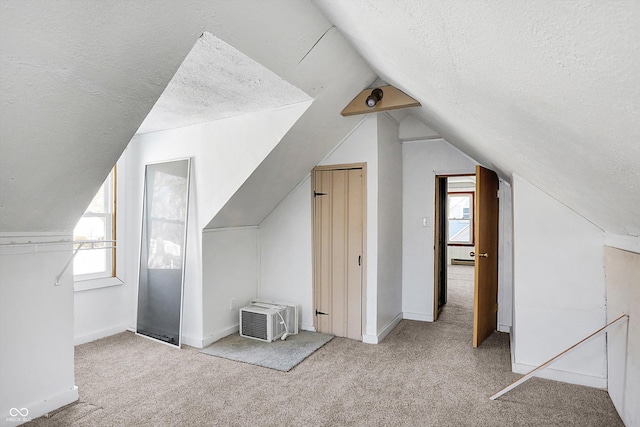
{"x":459,"y":207}
{"x":96,"y":260}
{"x":460,"y":218}
{"x":90,"y":262}
{"x":459,"y":230}
{"x":99,"y":204}
{"x":91,"y":228}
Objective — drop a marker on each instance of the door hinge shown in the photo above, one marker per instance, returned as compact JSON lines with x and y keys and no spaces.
{"x":497,"y":194}
{"x":359,"y":259}
{"x":321,"y":313}
{"x":316,"y":194}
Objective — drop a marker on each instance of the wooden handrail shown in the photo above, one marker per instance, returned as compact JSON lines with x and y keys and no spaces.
{"x":555,"y":358}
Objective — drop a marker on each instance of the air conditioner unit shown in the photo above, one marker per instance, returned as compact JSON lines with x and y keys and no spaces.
{"x":268,"y":321}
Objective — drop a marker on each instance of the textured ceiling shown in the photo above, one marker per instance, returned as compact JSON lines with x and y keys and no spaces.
{"x":217,"y":81}
{"x":78,"y":79}
{"x":545,"y":89}
{"x":320,"y":129}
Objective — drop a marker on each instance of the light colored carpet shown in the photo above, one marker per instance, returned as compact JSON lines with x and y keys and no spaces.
{"x":421,"y":374}
{"x":279,"y":355}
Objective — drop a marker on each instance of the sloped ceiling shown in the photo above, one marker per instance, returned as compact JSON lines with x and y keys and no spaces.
{"x":548,"y":90}
{"x":216,"y":81}
{"x":341,"y":73}
{"x":78,"y":78}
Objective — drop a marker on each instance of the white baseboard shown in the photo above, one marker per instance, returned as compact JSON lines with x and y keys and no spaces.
{"x":417,"y":316}
{"x":370,"y":339}
{"x":504,"y":328}
{"x":96,"y":335}
{"x":41,"y":407}
{"x":210,"y":339}
{"x":563,"y":376}
{"x":192,"y":342}
{"x":375,"y":339}
{"x":309,"y":328}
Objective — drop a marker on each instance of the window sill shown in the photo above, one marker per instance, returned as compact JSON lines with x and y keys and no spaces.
{"x":104,"y":282}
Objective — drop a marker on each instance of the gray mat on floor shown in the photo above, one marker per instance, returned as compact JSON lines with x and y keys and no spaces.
{"x":279,"y":355}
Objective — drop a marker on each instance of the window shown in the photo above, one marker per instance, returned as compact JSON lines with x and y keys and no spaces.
{"x":460,"y":218}
{"x":97,"y":223}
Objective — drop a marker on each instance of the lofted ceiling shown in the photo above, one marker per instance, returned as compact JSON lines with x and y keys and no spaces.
{"x":342,"y":74}
{"x":216,"y":81}
{"x":547,"y":90}
{"x":78,"y":79}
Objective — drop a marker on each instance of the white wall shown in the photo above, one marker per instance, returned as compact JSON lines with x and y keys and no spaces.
{"x":286,"y":234}
{"x":230,"y":278}
{"x":223,"y":154}
{"x":458,"y":252}
{"x":362,"y":146}
{"x":286,"y":272}
{"x":389,"y":200}
{"x":412,"y":129}
{"x":505,"y":259}
{"x":36,"y":326}
{"x":422,"y":160}
{"x":623,"y":341}
{"x":559,"y":289}
{"x":225,"y":151}
{"x":101,"y":312}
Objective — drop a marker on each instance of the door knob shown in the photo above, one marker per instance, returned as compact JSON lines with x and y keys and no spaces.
{"x":481,"y":255}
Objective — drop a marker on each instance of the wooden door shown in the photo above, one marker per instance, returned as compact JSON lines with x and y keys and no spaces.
{"x":485,"y":302}
{"x":338,"y":196}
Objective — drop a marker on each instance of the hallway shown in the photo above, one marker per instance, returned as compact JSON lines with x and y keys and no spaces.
{"x":459,"y":307}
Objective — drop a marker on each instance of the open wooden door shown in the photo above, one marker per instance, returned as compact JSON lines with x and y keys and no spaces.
{"x":485,"y":309}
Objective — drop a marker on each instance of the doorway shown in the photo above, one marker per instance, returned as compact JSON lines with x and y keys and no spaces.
{"x":466,"y":250}
{"x":339,"y":212}
{"x":455,"y":269}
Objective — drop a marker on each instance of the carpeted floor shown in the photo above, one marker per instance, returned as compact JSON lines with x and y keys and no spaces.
{"x":421,"y":374}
